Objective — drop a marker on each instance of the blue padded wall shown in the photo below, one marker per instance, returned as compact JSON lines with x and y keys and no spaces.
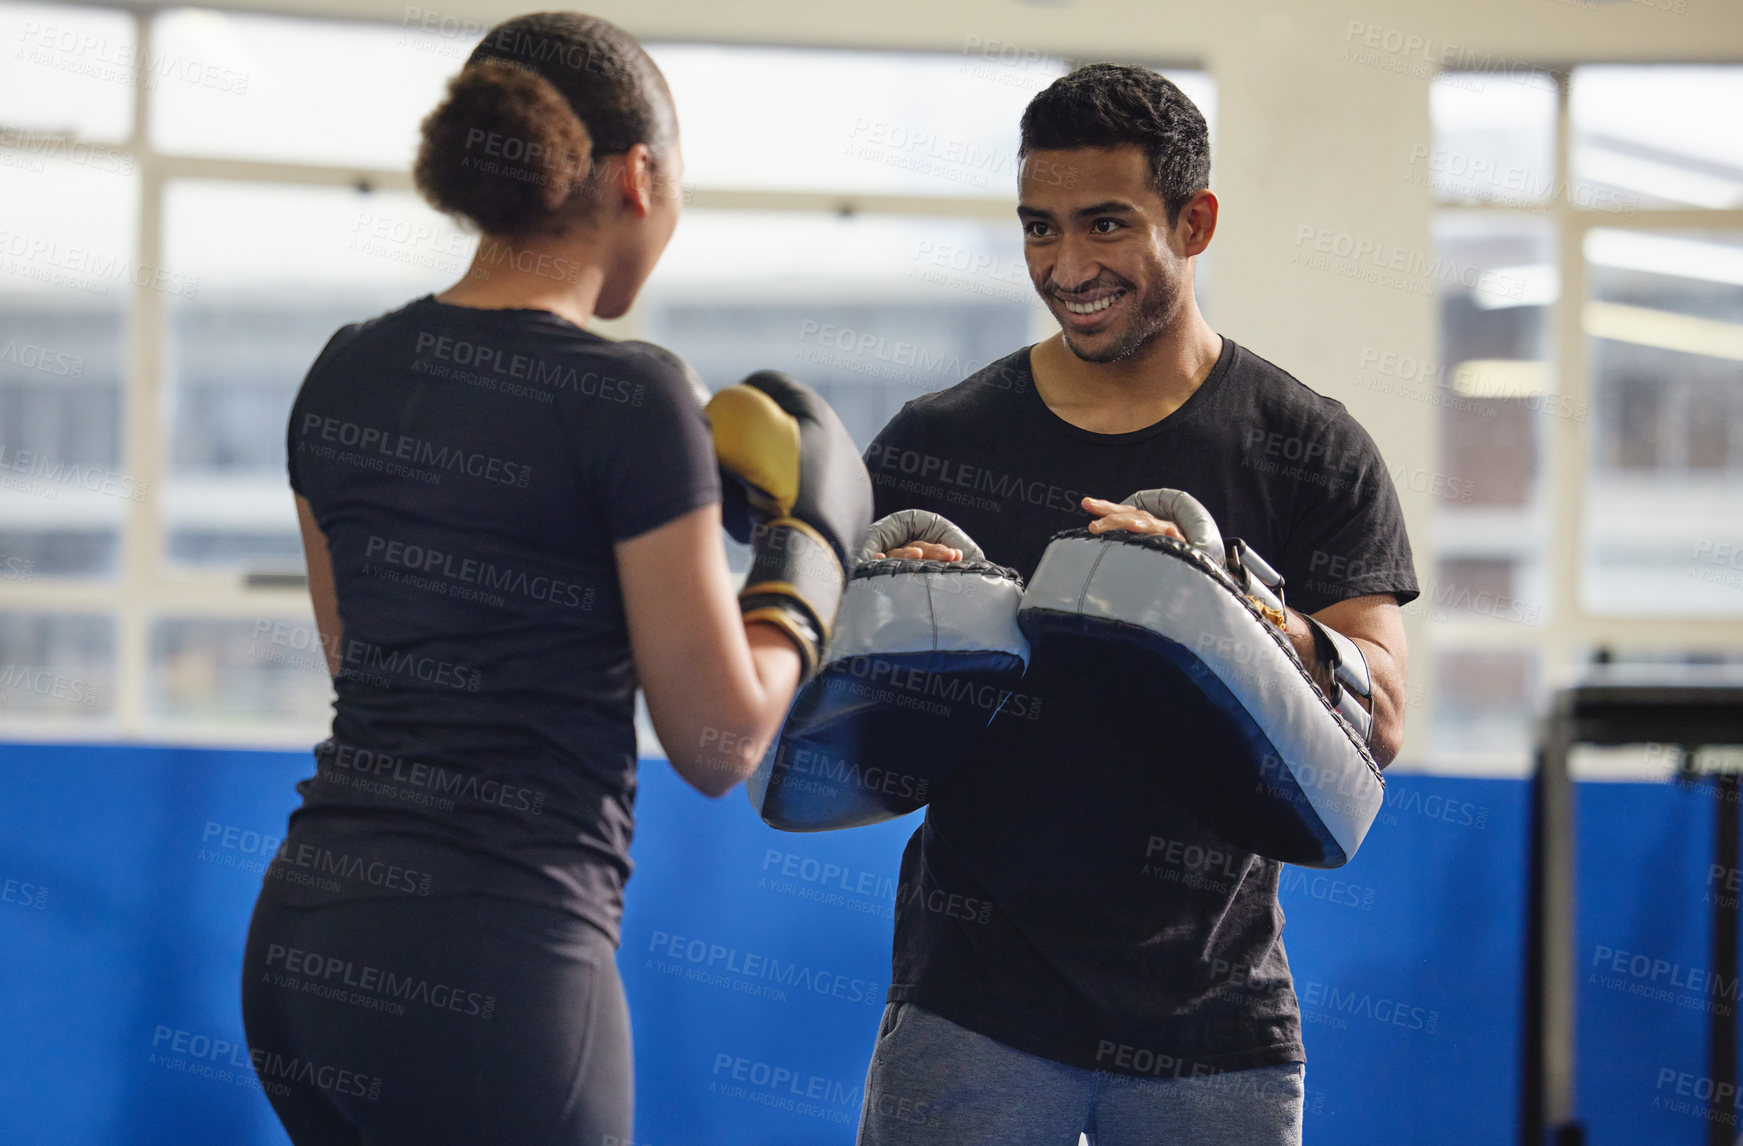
{"x":755,"y":961}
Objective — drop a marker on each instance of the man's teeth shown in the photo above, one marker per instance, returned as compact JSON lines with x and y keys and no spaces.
{"x":1090,"y":307}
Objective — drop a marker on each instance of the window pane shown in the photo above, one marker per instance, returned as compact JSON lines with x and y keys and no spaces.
{"x":69,"y":73}
{"x":1494,"y":140}
{"x":870,"y":122}
{"x":247,"y":671}
{"x":67,"y":271}
{"x":1484,"y":705}
{"x":307,"y":91}
{"x":56,"y":668}
{"x":1664,"y":514}
{"x":1495,"y":395}
{"x":1658,"y":136}
{"x":279,"y":270}
{"x":871,"y":311}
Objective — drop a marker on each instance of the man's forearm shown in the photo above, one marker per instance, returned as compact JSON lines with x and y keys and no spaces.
{"x":1385,"y":704}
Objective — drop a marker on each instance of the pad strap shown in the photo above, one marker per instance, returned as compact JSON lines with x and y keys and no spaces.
{"x":1262,"y":584}
{"x":1349,"y":675}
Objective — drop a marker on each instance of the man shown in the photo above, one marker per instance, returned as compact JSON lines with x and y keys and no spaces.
{"x":1123,"y":973}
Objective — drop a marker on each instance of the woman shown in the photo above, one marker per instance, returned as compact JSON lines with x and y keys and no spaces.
{"x":510,"y":523}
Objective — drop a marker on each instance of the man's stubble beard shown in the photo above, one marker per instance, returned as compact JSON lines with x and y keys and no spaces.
{"x":1153,"y":314}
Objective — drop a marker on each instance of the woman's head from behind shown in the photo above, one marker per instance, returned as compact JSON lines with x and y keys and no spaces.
{"x":559,"y":123}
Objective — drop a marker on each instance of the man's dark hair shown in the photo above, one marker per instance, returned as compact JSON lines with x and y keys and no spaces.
{"x":1106,"y":105}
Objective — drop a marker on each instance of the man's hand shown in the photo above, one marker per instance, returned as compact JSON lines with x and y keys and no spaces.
{"x":1113,"y":515}
{"x":923,"y":551}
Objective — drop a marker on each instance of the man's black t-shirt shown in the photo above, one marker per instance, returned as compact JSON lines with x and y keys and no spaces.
{"x":1056,"y":897}
{"x":471,"y":470}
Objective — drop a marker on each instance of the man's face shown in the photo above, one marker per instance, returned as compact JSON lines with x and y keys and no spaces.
{"x":1100,"y":249}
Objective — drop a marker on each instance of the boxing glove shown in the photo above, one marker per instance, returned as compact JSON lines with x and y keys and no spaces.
{"x":796,"y":490}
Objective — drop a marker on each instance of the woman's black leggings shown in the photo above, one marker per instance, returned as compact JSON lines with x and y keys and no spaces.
{"x":431,"y":1021}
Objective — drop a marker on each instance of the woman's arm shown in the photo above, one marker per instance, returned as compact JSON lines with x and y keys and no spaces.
{"x":321,"y":592}
{"x":717,"y":687}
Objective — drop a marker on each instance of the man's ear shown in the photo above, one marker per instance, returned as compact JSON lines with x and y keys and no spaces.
{"x":1196,"y":223}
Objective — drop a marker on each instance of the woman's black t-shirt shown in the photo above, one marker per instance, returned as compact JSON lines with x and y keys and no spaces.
{"x":471,"y":470}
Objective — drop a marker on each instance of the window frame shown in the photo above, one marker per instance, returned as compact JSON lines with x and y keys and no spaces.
{"x":146,"y":586}
{"x":1569,"y":636}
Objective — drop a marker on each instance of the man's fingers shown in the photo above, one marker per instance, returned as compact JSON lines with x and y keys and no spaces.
{"x":1136,"y":521}
{"x":923,"y":551}
{"x":1118,"y":515}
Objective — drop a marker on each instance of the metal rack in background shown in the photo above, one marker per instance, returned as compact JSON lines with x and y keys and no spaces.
{"x":1688,"y":707}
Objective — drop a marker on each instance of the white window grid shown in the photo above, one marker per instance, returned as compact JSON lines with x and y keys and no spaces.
{"x":146,"y":587}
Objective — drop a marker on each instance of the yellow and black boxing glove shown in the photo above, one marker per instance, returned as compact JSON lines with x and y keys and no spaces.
{"x":797,"y":492}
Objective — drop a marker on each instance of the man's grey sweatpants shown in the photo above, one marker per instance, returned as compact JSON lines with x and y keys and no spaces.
{"x":933,"y":1083}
